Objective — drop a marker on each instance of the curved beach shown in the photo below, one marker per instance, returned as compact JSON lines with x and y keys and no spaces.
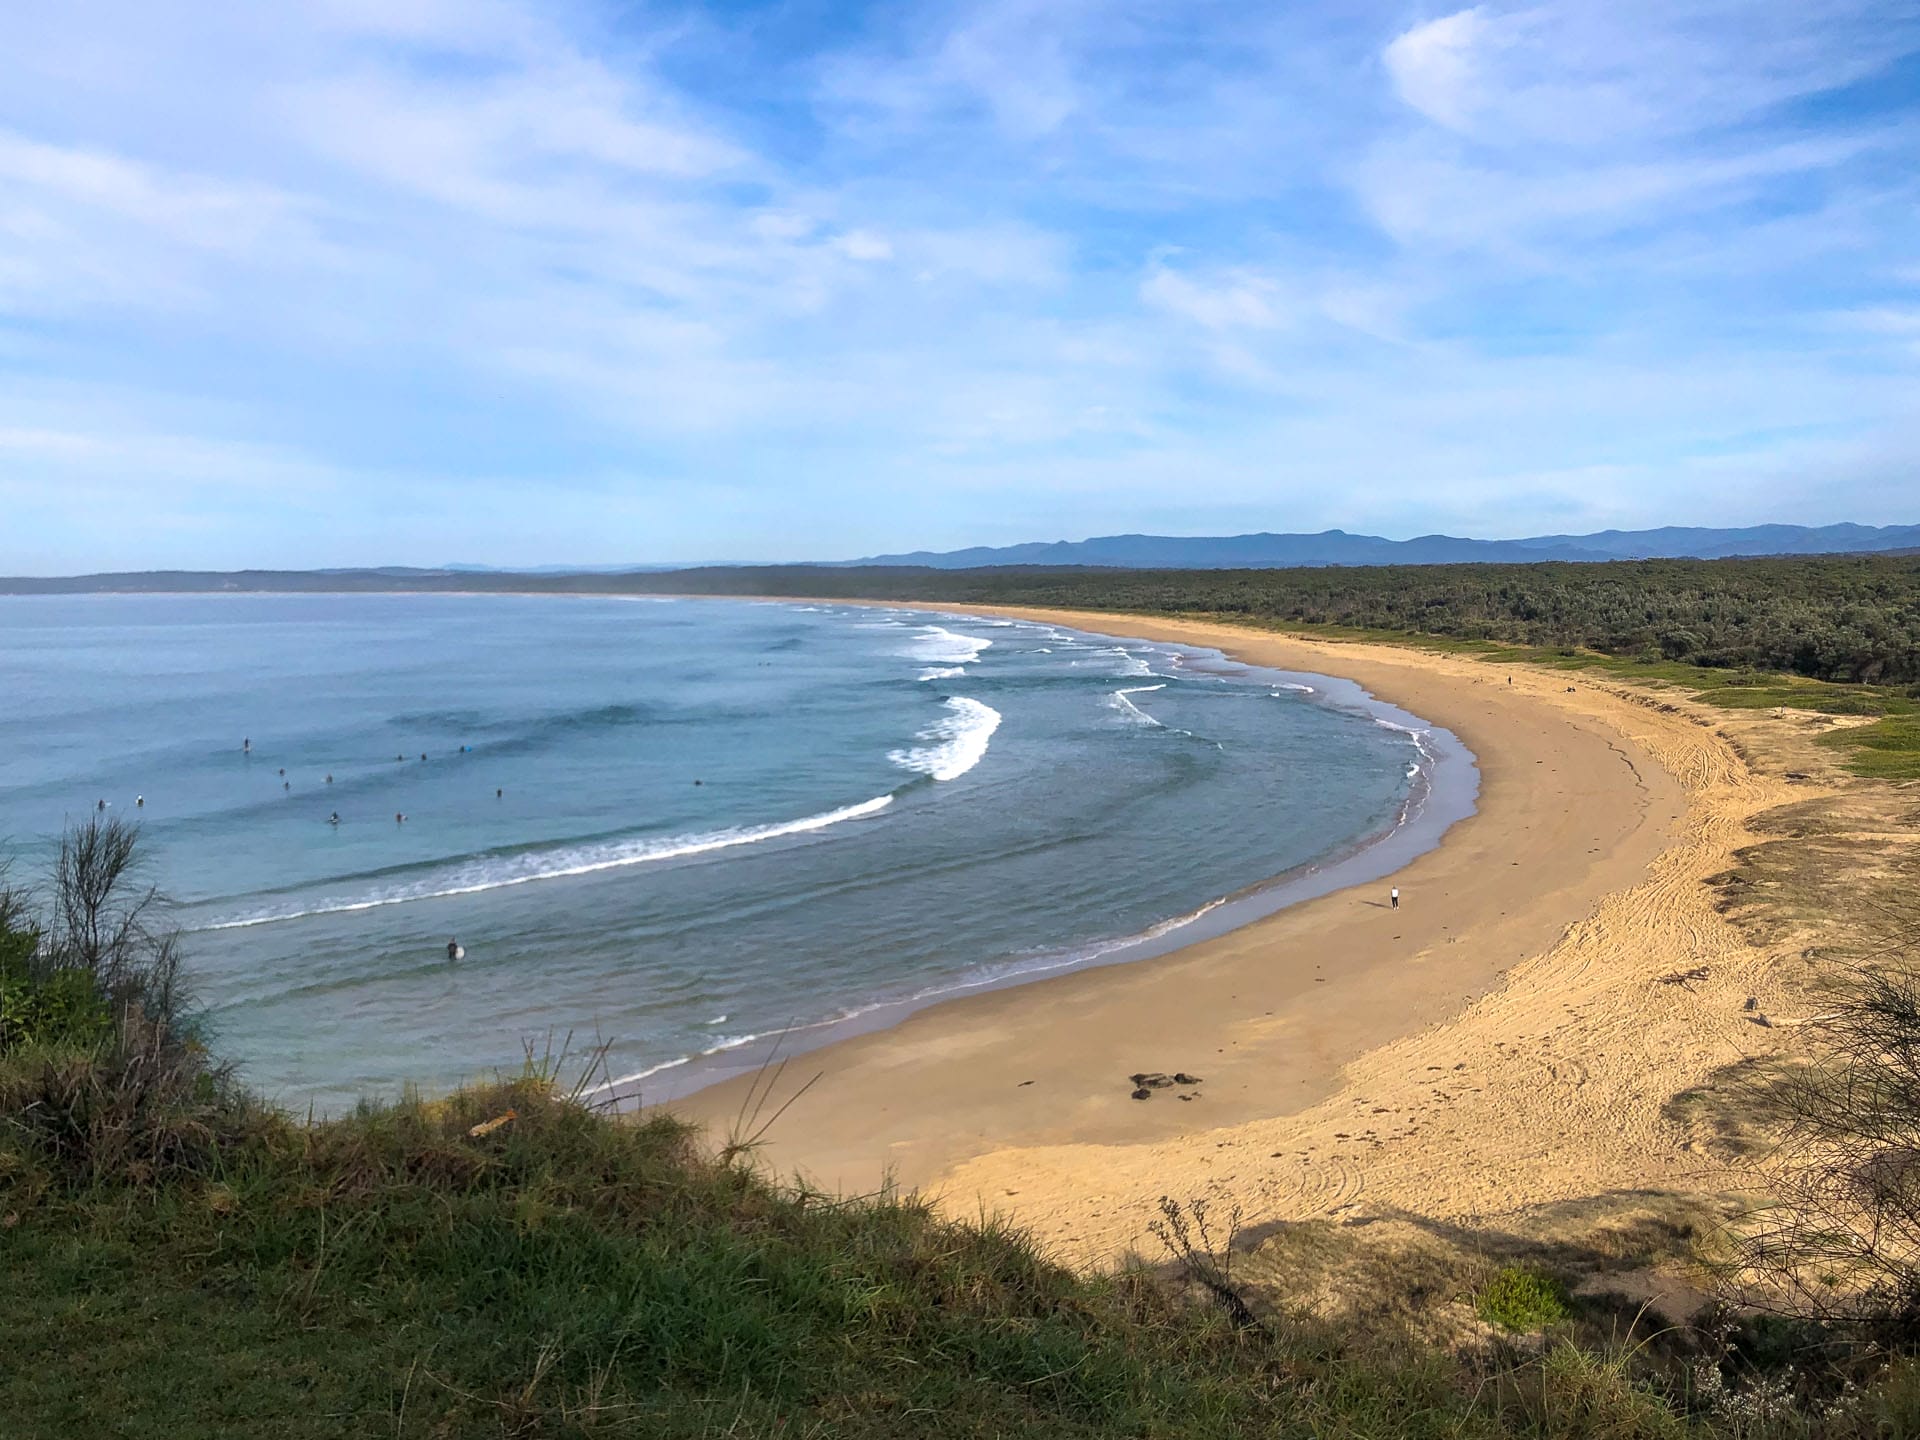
{"x":1496,"y":1042}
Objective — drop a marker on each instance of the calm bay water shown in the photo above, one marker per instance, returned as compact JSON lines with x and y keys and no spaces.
{"x":673,"y":825}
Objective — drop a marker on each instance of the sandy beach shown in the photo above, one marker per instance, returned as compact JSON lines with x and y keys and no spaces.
{"x":1501,"y":1040}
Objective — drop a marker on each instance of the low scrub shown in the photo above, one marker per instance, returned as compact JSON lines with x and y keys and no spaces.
{"x":1523,"y":1298}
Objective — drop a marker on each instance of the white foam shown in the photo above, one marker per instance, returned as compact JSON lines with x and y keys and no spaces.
{"x":1064,"y":959}
{"x":498,"y":872}
{"x":1131,"y":664}
{"x":1416,"y":733}
{"x":943,"y":672}
{"x":937,"y":645}
{"x":732,"y":1042}
{"x":1130,"y":711}
{"x":958,"y":741}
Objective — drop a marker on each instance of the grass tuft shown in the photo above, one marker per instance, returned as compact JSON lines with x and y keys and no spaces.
{"x":1523,"y":1298}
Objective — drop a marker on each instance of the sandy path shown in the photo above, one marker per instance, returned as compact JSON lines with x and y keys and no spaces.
{"x":1501,"y":1041}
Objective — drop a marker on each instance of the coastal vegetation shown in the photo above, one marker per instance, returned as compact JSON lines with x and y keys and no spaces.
{"x":177,"y":1256}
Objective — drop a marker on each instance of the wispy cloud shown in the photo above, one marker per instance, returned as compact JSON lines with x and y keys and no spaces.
{"x":750,"y":283}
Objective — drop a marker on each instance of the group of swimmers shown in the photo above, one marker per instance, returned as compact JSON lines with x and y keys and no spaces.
{"x":246,"y":748}
{"x":399,"y":816}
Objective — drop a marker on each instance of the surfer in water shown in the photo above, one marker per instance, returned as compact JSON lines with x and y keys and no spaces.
{"x":334,"y":819}
{"x":455,"y":950}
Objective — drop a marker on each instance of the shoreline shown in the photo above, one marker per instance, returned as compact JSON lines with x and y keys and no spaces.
{"x":1448,"y":794}
{"x":1018,"y":1099}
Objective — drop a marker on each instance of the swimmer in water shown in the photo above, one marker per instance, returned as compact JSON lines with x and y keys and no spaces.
{"x":498,"y":793}
{"x":334,"y":819}
{"x":398,"y":818}
{"x":455,"y":950}
{"x":101,"y":806}
{"x":139,"y":802}
{"x":246,"y":746}
{"x":329,"y":779}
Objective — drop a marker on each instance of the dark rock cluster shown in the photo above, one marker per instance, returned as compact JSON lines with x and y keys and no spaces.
{"x":1148,"y":1081}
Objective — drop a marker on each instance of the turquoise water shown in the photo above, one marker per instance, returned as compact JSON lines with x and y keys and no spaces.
{"x":668,"y":825}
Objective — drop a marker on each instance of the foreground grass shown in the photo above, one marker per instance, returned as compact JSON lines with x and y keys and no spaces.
{"x":410,"y":1271}
{"x":395,"y":1273}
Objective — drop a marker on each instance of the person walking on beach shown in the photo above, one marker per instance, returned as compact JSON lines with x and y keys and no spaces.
{"x":1396,"y":897}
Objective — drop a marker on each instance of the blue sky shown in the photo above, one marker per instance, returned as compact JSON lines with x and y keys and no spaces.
{"x":327,"y":282}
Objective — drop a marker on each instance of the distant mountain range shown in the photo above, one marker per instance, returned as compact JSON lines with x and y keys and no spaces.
{"x":1131,"y":552}
{"x":1337,"y":547}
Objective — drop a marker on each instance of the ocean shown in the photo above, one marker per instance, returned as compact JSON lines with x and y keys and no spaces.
{"x":672,"y":828}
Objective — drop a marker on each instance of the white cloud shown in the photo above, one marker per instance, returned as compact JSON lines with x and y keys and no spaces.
{"x":864,"y":245}
{"x":1234,"y":300}
{"x":1577,"y":73}
{"x":1435,"y":67}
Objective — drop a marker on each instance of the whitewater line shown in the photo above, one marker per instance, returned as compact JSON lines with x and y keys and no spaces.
{"x":590,"y":860}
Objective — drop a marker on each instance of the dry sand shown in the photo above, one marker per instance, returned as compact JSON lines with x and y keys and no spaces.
{"x":1503,"y":1040}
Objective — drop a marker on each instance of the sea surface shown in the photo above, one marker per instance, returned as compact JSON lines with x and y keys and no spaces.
{"x":672,"y":827}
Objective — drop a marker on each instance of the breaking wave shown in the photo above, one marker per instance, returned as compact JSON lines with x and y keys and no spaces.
{"x":1132,"y":712}
{"x":957,"y":741}
{"x":472,"y":877}
{"x":937,"y":645}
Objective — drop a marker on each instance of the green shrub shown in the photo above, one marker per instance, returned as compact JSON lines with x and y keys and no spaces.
{"x":1522,"y":1297}
{"x":63,"y":1008}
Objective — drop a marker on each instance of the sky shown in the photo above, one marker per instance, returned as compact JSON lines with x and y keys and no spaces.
{"x":337,"y":282}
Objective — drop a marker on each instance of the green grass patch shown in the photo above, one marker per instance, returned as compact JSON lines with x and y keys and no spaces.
{"x":1523,"y":1298}
{"x":1888,"y":749}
